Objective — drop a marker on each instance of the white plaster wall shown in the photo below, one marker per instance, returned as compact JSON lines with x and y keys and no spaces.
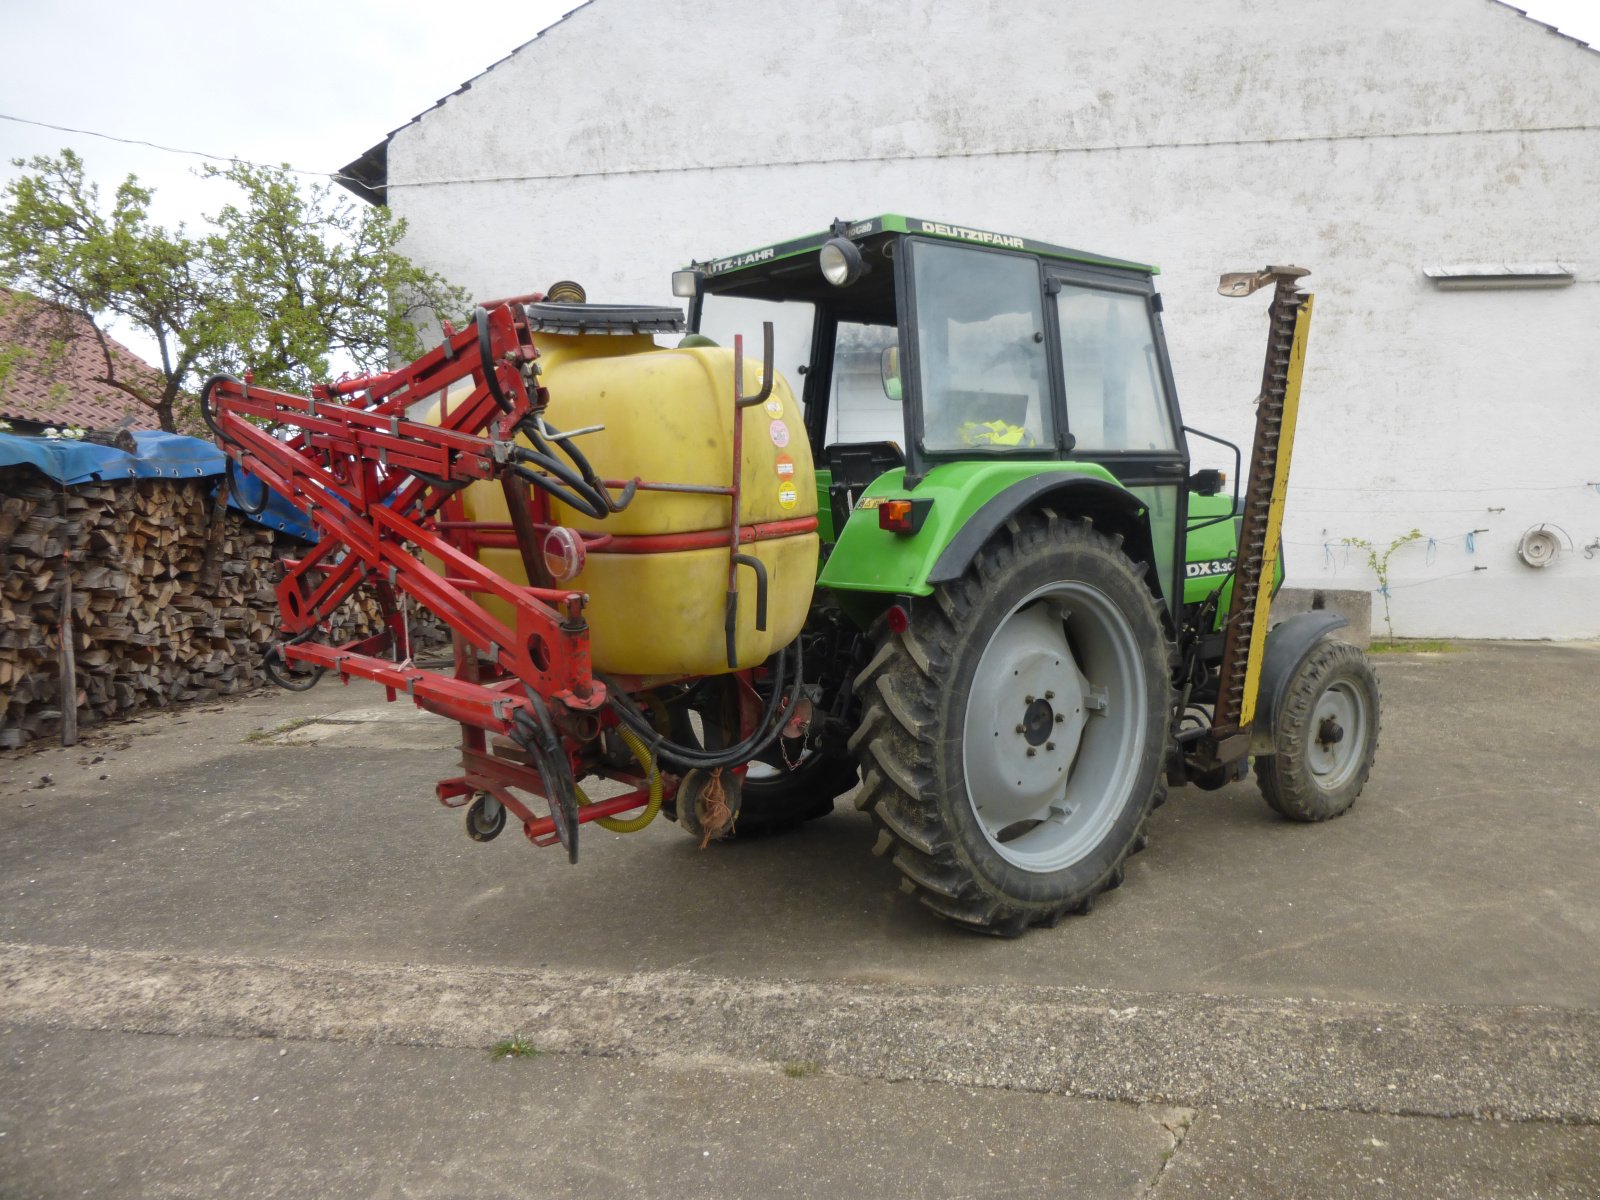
{"x":1362,"y":138}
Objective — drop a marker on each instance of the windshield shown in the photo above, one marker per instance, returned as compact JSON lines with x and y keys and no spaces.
{"x":792,"y":322}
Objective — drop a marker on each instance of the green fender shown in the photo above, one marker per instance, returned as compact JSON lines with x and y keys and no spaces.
{"x":970,"y":500}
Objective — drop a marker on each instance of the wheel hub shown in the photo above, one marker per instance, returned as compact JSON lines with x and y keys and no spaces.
{"x":1340,"y":721}
{"x":1053,"y":725}
{"x":1038,"y":722}
{"x":1032,"y":690}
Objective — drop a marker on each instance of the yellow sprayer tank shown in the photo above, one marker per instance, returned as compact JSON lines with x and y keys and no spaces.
{"x":668,"y":417}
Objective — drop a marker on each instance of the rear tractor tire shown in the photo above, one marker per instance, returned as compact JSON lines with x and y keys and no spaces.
{"x":779,"y":797}
{"x":1014,"y":736}
{"x":1326,"y":733}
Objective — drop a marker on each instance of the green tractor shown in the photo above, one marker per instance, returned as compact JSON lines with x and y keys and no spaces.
{"x":1032,"y":617}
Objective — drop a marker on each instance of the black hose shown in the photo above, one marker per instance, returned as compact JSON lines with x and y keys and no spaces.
{"x":486,"y":353}
{"x":235,"y":482}
{"x":765,"y":733}
{"x":531,"y":430}
{"x":554,"y":466}
{"x":537,"y":736}
{"x":587,"y":507}
{"x":273,"y":656}
{"x":205,"y":407}
{"x":531,"y":427}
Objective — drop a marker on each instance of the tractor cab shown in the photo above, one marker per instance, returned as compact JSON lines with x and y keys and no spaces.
{"x":943,"y":365}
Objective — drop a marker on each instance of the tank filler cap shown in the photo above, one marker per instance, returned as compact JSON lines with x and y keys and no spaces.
{"x":620,"y":319}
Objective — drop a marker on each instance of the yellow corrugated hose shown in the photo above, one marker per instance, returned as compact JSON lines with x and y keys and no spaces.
{"x":651,"y":808}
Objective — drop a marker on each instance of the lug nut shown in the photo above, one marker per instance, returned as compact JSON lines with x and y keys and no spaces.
{"x":1020,"y":729}
{"x":1032,"y":751}
{"x":1049,"y":745}
{"x":1060,"y":717}
{"x":1027,"y":699}
{"x":1049,"y":695}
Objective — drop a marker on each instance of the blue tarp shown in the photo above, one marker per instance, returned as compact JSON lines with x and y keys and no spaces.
{"x":279,"y":513}
{"x":69,"y":461}
{"x":156,"y":456}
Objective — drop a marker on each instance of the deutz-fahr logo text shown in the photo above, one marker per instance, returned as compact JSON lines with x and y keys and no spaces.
{"x":1208,"y":567}
{"x":740,"y":260}
{"x":970,"y":235}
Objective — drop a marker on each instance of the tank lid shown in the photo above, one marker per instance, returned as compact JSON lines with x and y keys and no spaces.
{"x":604,"y":318}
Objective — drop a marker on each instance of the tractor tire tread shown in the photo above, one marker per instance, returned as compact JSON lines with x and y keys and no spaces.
{"x":895,"y":742}
{"x":1283,"y":778}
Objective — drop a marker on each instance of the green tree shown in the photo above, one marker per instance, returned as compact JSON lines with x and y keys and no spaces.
{"x":287,"y":283}
{"x":312,"y":277}
{"x":58,"y":243}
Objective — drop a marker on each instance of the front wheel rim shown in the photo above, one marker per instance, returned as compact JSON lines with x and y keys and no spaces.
{"x":1062,"y":676}
{"x":1339,"y":722}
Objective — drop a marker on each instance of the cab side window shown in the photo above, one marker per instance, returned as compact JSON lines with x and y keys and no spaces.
{"x":862,"y":408}
{"x":1115,"y":396}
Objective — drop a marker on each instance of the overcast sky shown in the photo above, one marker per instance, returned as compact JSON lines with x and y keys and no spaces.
{"x":309,"y":82}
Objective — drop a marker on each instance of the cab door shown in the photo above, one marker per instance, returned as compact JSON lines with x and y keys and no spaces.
{"x":1120,"y":404}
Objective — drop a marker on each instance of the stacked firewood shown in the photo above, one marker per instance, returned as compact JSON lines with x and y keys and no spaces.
{"x":165,"y":597}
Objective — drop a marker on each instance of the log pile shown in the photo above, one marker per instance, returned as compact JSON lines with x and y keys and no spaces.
{"x":170,"y":598}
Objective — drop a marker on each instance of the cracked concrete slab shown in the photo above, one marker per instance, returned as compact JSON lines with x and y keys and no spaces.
{"x":1252,"y":1154}
{"x":255,"y":1119}
{"x":1184,"y":1049}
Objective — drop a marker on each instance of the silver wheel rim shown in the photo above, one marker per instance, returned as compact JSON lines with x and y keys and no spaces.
{"x":1338,"y":733}
{"x":1062,"y":676}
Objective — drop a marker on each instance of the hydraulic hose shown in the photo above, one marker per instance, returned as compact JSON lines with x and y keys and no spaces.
{"x":207,"y":415}
{"x":588,"y":507}
{"x":637,"y":822}
{"x":765,"y":733}
{"x":587,"y":491}
{"x":537,"y":428}
{"x":236,"y":482}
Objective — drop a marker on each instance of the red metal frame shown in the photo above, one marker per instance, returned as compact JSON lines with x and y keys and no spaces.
{"x":381,"y":490}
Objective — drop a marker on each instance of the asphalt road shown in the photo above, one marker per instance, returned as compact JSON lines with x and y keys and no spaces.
{"x":1409,"y":994}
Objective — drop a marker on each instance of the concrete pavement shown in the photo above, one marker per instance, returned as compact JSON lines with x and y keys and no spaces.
{"x":1421,"y":973}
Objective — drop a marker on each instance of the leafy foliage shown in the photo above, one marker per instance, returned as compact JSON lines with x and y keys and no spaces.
{"x":310,"y":276}
{"x":57,"y":242}
{"x":1378,"y":560}
{"x":289,"y":280}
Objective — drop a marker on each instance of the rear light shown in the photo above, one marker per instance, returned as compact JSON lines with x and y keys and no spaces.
{"x":563,"y":553}
{"x":903,"y":516}
{"x":898,"y":619}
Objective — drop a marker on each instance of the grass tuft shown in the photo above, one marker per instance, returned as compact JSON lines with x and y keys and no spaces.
{"x":1411,"y":646}
{"x":515,"y":1046}
{"x":266,"y":735}
{"x":798,"y":1069}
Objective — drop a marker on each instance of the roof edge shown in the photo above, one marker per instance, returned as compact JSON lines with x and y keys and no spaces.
{"x":367,"y":175}
{"x":1549,"y":28}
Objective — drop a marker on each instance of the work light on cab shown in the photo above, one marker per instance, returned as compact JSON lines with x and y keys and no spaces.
{"x":841,"y":262}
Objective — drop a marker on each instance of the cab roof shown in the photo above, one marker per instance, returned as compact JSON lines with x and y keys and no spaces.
{"x":894,"y":223}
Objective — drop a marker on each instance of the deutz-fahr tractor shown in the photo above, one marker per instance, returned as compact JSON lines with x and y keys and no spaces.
{"x":966,"y":571}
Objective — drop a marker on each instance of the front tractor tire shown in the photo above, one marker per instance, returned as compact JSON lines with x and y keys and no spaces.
{"x":1326,"y":734}
{"x":1014,"y":736}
